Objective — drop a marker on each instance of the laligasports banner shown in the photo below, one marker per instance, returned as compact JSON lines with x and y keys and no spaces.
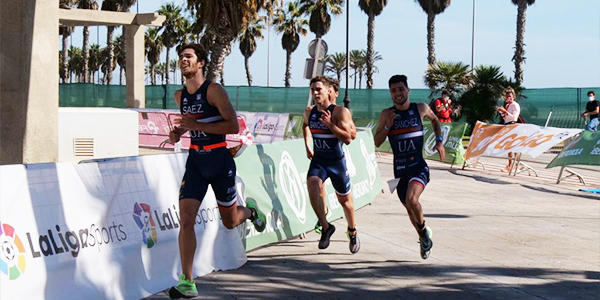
{"x":585,"y":150}
{"x":275,"y":176}
{"x":266,"y":127}
{"x":108,"y":229}
{"x":105,"y":230}
{"x":499,"y":140}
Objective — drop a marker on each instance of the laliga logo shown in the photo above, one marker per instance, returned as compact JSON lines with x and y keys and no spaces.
{"x":257,"y":127}
{"x":291,"y":183}
{"x":430,"y":143}
{"x":152,"y":127}
{"x":142,"y":216}
{"x":12,"y":258}
{"x":370,"y":163}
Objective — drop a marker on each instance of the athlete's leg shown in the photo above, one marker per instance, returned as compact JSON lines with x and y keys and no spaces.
{"x":188,"y":209}
{"x":315,"y":184}
{"x":347,"y":203}
{"x":234,"y":215}
{"x":413,"y":207}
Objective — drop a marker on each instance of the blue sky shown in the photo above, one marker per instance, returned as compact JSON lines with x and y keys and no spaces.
{"x":562,"y":42}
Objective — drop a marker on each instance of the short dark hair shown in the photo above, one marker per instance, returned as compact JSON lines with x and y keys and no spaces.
{"x":334,"y":83}
{"x":445,"y":93}
{"x":320,"y":78}
{"x":398,"y":79}
{"x":198,"y":49}
{"x":591,"y":93}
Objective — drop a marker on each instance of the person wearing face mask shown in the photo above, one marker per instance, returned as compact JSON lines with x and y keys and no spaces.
{"x":591,"y":109}
{"x":443,"y":108}
{"x":510,"y":112}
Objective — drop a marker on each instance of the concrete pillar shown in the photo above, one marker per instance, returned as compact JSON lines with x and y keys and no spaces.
{"x":28,"y":81}
{"x":136,"y":89}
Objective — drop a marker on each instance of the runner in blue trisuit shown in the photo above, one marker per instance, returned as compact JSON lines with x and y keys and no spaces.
{"x":403,"y":125}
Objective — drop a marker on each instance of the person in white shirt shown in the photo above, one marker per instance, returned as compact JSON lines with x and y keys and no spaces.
{"x":510,"y":112}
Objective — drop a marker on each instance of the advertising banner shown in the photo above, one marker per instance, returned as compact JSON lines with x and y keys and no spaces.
{"x":266,"y":127}
{"x":452,"y":134}
{"x":584,"y":150}
{"x":275,"y":176}
{"x":499,"y":140}
{"x":105,"y":230}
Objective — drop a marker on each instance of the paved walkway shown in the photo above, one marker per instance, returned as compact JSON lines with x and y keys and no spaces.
{"x":495,"y":237}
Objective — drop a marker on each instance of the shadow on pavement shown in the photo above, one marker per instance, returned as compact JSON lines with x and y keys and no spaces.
{"x":276,"y":277}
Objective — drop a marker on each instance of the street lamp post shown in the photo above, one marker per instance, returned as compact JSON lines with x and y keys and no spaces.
{"x":473,"y":40}
{"x":346,"y":96}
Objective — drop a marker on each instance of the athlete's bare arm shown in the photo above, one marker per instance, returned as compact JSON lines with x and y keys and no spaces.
{"x":353,"y":126}
{"x":386,"y":121}
{"x":340,"y":123}
{"x":306,"y":132}
{"x":217,"y":97}
{"x":427,"y":113}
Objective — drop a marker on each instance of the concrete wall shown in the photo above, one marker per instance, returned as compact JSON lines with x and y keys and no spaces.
{"x":28,"y":81}
{"x":107,"y":132}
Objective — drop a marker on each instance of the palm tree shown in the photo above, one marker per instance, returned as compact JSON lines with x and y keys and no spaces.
{"x":372,"y":8}
{"x":171,"y":29}
{"x":65,"y":32}
{"x":94,"y":60}
{"x":319,"y":10}
{"x":224,"y":21}
{"x":173,"y":66}
{"x":448,"y":76}
{"x":291,"y":23}
{"x":75,"y":63}
{"x":120,"y":56}
{"x":86,"y":4}
{"x":358,"y":62}
{"x":480,"y":101}
{"x":432,"y":8}
{"x":250,"y":32}
{"x":154,"y":48}
{"x":336,"y":63}
{"x":160,"y":69}
{"x":120,"y":6}
{"x":519,"y":57}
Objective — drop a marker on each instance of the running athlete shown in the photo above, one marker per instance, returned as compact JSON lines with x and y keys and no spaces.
{"x":208,"y":114}
{"x":403,"y":125}
{"x":330,"y":126}
{"x":333,"y":94}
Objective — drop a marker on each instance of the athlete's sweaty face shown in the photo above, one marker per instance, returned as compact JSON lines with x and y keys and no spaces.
{"x":320,"y":93}
{"x":188,"y":63}
{"x":399,"y":93}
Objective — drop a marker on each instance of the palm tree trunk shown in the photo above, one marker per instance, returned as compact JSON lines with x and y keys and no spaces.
{"x":222,"y":80}
{"x":519,"y":47}
{"x":355,"y":73}
{"x":120,"y":76}
{"x":220,"y":49}
{"x":288,"y":68}
{"x":86,"y":53}
{"x":370,"y":42}
{"x":111,"y":54}
{"x":247,"y":65}
{"x":152,"y":74}
{"x":65,"y":56}
{"x":360,"y":80}
{"x":431,"y":38}
{"x":167,"y":67}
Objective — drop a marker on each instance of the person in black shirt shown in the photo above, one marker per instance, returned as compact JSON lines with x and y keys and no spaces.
{"x":591,"y":110}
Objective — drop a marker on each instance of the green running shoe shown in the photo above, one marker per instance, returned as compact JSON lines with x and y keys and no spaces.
{"x":260,"y":222}
{"x":184,"y":289}
{"x":318,"y":226}
{"x":426,"y":242}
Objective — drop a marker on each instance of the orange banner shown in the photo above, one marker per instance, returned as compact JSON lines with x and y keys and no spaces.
{"x":499,"y":140}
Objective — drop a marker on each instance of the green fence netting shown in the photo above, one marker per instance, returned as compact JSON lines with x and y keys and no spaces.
{"x":566,"y":104}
